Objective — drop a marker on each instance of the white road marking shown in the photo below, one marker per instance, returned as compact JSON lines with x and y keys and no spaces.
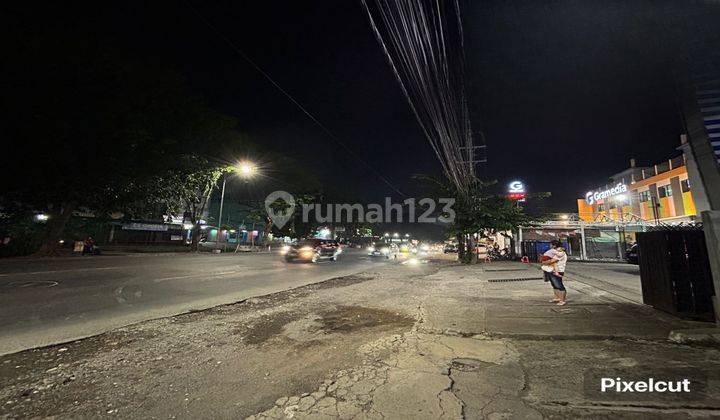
{"x":58,"y":271}
{"x":174,"y":278}
{"x":237,"y":273}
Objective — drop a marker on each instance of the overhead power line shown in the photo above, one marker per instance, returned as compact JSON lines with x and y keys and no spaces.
{"x":259,"y":69}
{"x":423,"y":42}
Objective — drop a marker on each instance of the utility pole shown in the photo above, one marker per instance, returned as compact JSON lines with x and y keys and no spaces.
{"x":222,"y":201}
{"x":654,"y":203}
{"x":470,"y":154}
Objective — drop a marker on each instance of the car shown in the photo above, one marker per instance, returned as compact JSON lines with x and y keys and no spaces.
{"x":312,"y":250}
{"x":631,"y":254}
{"x":450,"y":249}
{"x":383,"y":250}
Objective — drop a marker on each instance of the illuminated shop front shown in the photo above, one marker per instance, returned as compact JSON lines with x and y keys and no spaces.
{"x":655,"y":194}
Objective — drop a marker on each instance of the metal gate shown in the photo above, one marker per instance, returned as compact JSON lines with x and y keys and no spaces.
{"x":675,"y":271}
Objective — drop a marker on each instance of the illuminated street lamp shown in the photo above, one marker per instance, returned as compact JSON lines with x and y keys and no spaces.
{"x":246,"y":170}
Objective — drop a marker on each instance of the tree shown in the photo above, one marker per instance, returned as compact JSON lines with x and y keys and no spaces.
{"x":92,"y":129}
{"x":477,"y":211}
{"x":187,"y":188}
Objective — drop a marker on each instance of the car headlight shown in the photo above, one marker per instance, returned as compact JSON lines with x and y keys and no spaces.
{"x":284,"y":250}
{"x":371,"y":249}
{"x":306,"y":249}
{"x":385,"y":250}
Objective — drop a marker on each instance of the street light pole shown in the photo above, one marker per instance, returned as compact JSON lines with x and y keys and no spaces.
{"x":245,"y":170}
{"x":622,"y":240}
{"x":222,"y":201}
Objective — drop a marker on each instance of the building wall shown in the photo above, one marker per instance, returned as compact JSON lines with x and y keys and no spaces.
{"x":668,"y":189}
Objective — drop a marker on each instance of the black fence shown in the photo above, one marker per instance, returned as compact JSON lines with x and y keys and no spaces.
{"x":675,"y":271}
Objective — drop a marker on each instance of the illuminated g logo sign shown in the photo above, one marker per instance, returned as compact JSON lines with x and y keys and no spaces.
{"x":516,"y":187}
{"x":589,"y":197}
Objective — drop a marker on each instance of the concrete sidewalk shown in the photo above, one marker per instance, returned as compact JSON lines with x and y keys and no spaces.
{"x":514,"y":302}
{"x":619,"y":279}
{"x":436,"y":340}
{"x":487,"y":344}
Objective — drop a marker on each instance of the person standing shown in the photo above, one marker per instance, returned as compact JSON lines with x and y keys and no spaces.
{"x":553,"y":263}
{"x":558,"y":274}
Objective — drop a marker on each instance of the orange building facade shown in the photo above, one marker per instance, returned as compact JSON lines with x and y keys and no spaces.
{"x":657,"y":194}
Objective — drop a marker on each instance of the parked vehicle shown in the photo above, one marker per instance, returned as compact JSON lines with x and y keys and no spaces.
{"x":450,"y":249}
{"x":500,"y":254}
{"x":313,"y":250}
{"x":89,"y":247}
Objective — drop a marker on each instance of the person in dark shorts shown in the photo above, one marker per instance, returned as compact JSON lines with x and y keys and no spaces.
{"x":553,"y":265}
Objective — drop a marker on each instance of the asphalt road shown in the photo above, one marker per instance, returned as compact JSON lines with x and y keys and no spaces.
{"x":50,"y":301}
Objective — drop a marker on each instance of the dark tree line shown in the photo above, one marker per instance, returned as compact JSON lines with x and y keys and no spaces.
{"x":91,"y":127}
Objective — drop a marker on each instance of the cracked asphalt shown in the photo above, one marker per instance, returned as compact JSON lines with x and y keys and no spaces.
{"x":433,"y":340}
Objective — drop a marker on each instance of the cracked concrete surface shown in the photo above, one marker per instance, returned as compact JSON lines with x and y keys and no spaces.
{"x":424,"y":376}
{"x":432,"y":341}
{"x":455,"y":363}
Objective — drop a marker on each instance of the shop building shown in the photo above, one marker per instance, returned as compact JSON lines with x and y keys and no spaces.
{"x":610,"y":215}
{"x":657,"y":194}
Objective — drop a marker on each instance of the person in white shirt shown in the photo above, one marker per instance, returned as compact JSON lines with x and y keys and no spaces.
{"x":553,"y":265}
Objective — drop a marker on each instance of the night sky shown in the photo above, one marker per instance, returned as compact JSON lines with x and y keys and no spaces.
{"x":566,"y":92}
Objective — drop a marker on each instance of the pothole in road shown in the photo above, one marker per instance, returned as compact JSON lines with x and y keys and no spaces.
{"x":30,"y":284}
{"x":340,"y":282}
{"x":266,"y":328}
{"x":346,"y":319}
{"x":304,"y":327}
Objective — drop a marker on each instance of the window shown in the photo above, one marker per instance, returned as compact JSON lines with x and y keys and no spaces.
{"x":644,"y":196}
{"x":601,"y":207}
{"x":685,"y":185}
{"x":665,"y":191}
